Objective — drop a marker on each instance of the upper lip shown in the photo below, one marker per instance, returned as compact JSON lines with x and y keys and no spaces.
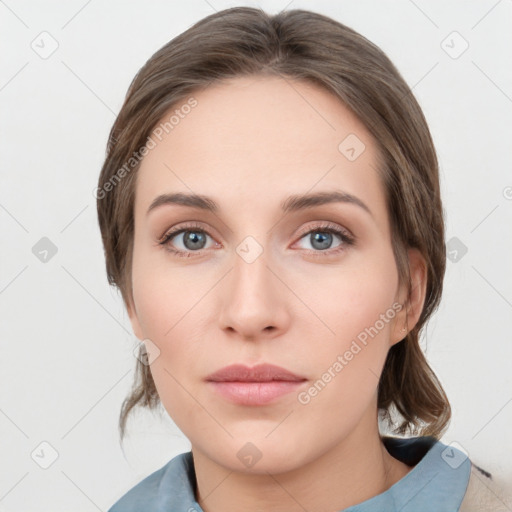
{"x":258,"y":373}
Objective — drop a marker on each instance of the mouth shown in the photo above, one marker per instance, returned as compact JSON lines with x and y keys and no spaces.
{"x":258,"y":385}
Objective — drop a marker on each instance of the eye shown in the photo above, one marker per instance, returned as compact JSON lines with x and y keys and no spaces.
{"x":322,"y":237}
{"x":189,"y":239}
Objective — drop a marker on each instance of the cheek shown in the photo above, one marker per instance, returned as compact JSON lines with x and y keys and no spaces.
{"x":347,"y":369}
{"x":169,"y":301}
{"x":357,"y":305}
{"x":166,"y":312}
{"x":352,"y":299}
{"x":163,"y":293}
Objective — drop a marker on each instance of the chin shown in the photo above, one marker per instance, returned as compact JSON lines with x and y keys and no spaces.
{"x":259,"y":454}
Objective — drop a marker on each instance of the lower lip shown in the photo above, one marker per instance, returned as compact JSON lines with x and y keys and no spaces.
{"x":255,"y":393}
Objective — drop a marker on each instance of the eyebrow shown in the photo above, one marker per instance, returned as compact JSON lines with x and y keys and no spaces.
{"x":291,"y":204}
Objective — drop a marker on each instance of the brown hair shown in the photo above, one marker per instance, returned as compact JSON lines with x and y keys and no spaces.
{"x":307,"y":46}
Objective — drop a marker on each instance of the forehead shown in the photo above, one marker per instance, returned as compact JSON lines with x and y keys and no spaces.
{"x":253,"y":137}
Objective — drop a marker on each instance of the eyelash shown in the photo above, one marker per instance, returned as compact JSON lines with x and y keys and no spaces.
{"x":325,"y":227}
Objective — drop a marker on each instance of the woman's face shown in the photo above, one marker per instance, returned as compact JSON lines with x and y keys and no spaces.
{"x":312,"y":287}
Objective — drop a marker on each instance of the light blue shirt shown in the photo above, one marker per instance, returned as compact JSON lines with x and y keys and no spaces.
{"x":437,"y":482}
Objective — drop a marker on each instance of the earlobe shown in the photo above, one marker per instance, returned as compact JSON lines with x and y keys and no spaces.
{"x":412,"y":304}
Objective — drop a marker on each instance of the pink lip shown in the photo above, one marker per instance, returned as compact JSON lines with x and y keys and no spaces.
{"x":254,"y":386}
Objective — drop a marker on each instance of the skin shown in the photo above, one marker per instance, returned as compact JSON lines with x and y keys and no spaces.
{"x":249,"y":144}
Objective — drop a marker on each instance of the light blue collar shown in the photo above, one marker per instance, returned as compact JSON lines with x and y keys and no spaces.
{"x":437,"y":482}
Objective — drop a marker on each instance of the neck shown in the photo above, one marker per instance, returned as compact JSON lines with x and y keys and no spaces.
{"x":355,"y":470}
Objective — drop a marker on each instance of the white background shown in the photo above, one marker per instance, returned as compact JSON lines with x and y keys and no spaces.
{"x":66,"y":343}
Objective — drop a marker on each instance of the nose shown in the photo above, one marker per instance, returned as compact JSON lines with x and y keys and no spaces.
{"x":253,"y":300}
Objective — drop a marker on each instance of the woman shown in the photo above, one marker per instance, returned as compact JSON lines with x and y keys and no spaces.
{"x":270,"y":211}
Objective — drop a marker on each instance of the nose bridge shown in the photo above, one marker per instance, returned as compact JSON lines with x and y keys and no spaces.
{"x":251,"y":279}
{"x":252,"y":301}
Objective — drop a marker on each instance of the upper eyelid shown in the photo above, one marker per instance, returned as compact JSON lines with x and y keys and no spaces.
{"x":325,"y":225}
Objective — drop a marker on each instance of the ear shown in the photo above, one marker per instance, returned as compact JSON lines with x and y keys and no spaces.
{"x":412,"y":306}
{"x":134,"y":319}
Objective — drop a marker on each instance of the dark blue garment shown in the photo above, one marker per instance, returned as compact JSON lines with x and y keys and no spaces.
{"x":437,"y":483}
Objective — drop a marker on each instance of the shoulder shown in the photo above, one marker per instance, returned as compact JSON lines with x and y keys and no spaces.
{"x":169,"y":485}
{"x":484,"y":492}
{"x":142,"y":496}
{"x":447,"y":477}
